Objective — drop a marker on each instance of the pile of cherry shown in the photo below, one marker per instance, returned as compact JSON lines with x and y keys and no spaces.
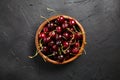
{"x":60,"y":39}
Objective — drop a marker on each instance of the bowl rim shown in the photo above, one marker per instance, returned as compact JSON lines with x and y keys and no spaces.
{"x":47,"y":58}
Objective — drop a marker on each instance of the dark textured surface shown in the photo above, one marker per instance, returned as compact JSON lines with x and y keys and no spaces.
{"x":19,"y":20}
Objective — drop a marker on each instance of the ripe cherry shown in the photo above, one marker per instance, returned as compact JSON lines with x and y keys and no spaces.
{"x":55,"y":48}
{"x":58,"y":29}
{"x":44,"y":49}
{"x":46,"y":39}
{"x":72,"y":29}
{"x":45,"y":29}
{"x":77,"y":44}
{"x":50,"y":25}
{"x":52,"y":34}
{"x":58,"y":36}
{"x":78,"y":35}
{"x":66,"y":35}
{"x":42,"y":35}
{"x":65,"y":44}
{"x":51,"y":43}
{"x":58,"y":42}
{"x":60,"y":58}
{"x":60,"y":19}
{"x":75,"y":50}
{"x":67,"y":51}
{"x":65,"y":25}
{"x":72,"y":22}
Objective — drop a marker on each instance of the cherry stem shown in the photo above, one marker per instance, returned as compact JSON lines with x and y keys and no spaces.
{"x":84,"y":51}
{"x":34,"y":55}
{"x":45,"y":19}
{"x":40,"y":43}
{"x":59,"y":51}
{"x":72,"y":34}
{"x":65,"y":49}
{"x":75,"y":28}
{"x":50,"y":55}
{"x":70,"y":30}
{"x":73,"y":42}
{"x":49,"y":9}
{"x":64,"y":37}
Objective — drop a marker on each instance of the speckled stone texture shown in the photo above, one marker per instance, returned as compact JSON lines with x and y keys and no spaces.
{"x":19,"y":20}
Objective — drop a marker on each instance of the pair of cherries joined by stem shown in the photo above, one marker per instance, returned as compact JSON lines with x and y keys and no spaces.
{"x":60,"y":39}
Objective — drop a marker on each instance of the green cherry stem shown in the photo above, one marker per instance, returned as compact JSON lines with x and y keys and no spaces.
{"x":34,"y":55}
{"x":59,"y":51}
{"x":45,"y":19}
{"x":40,"y":43}
{"x":72,"y":34}
{"x":75,"y":29}
{"x":49,"y":9}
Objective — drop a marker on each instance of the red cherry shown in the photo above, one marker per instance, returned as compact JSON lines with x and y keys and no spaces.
{"x":42,"y":35}
{"x":58,"y":29}
{"x":77,"y":44}
{"x":72,"y":29}
{"x":58,"y":42}
{"x":60,"y":19}
{"x":68,"y":51}
{"x":58,"y":36}
{"x":55,"y":47}
{"x":51,"y":43}
{"x":65,"y":21}
{"x":52,"y":34}
{"x":78,"y":35}
{"x":64,"y":25}
{"x":66,"y":35}
{"x":60,"y":58}
{"x":44,"y":49}
{"x":72,"y":22}
{"x":46,"y":39}
{"x":45,"y":29}
{"x":65,"y":44}
{"x":50,"y":25}
{"x":75,"y":50}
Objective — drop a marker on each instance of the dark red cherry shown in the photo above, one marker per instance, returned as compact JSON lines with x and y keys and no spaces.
{"x":52,"y":34}
{"x":67,"y":56}
{"x":42,"y":35}
{"x":45,"y":29}
{"x":58,"y":42}
{"x":65,"y":25}
{"x":78,"y":35}
{"x":55,"y":47}
{"x":65,"y":21}
{"x":68,"y":51}
{"x":65,"y":44}
{"x":58,"y":36}
{"x":75,"y":50}
{"x":55,"y":53}
{"x":72,"y":22}
{"x":72,"y":29}
{"x":46,"y":39}
{"x":50,"y":25}
{"x":51,"y":43}
{"x":77,"y":44}
{"x":60,"y":58}
{"x":66,"y":35}
{"x":58,"y":29}
{"x":60,"y":19}
{"x":44,"y":49}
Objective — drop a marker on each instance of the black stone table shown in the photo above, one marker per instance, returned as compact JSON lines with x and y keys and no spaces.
{"x":19,"y":20}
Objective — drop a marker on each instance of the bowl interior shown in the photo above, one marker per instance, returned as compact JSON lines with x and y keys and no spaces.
{"x":47,"y":58}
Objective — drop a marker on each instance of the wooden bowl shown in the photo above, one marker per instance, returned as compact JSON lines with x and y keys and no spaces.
{"x":47,"y":58}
